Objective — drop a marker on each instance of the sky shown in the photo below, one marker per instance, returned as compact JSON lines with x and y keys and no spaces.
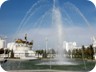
{"x":34,"y":17}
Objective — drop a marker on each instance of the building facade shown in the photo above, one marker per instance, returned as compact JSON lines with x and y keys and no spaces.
{"x":22,"y":49}
{"x":69,"y":45}
{"x":2,"y":43}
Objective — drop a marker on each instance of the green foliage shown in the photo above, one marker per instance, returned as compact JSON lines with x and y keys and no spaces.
{"x":7,"y":51}
{"x":2,"y":51}
{"x":86,"y":53}
{"x":12,"y":54}
{"x":42,"y":52}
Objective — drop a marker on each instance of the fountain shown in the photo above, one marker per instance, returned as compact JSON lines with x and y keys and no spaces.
{"x":55,"y":25}
{"x":57,"y":22}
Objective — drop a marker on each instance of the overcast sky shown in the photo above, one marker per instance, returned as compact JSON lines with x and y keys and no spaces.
{"x":34,"y":17}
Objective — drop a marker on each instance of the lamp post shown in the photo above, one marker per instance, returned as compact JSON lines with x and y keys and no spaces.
{"x":46,"y":39}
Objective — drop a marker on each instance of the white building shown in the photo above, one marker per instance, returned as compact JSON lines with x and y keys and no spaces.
{"x":2,"y":47}
{"x":94,"y":41}
{"x":2,"y":43}
{"x":94,"y":45}
{"x":22,"y":49}
{"x":69,"y":45}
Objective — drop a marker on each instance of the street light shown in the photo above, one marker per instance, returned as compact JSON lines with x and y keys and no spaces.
{"x":46,"y":39}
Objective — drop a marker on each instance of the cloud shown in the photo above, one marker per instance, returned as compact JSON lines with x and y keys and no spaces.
{"x":81,"y":35}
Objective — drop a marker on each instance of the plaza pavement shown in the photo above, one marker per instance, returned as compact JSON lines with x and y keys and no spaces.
{"x":43,"y":71}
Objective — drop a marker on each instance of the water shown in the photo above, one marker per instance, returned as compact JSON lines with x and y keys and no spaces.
{"x":58,"y":62}
{"x":35,"y":65}
{"x":60,"y":59}
{"x":58,"y":24}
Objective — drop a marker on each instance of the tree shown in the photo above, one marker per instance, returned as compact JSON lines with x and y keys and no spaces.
{"x":7,"y":51}
{"x":83,"y":51}
{"x":45,"y":54}
{"x":1,"y":51}
{"x":37,"y":52}
{"x":69,"y":53}
{"x":73,"y":53}
{"x":91,"y":52}
{"x":80,"y":53}
{"x":12,"y":54}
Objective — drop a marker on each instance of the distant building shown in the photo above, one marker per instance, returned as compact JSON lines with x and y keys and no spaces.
{"x":69,"y":45}
{"x":2,"y":48}
{"x":94,"y":42}
{"x":94,"y":45}
{"x":22,"y":49}
{"x":2,"y":43}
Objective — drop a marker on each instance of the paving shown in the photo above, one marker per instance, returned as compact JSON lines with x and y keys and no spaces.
{"x":43,"y":71}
